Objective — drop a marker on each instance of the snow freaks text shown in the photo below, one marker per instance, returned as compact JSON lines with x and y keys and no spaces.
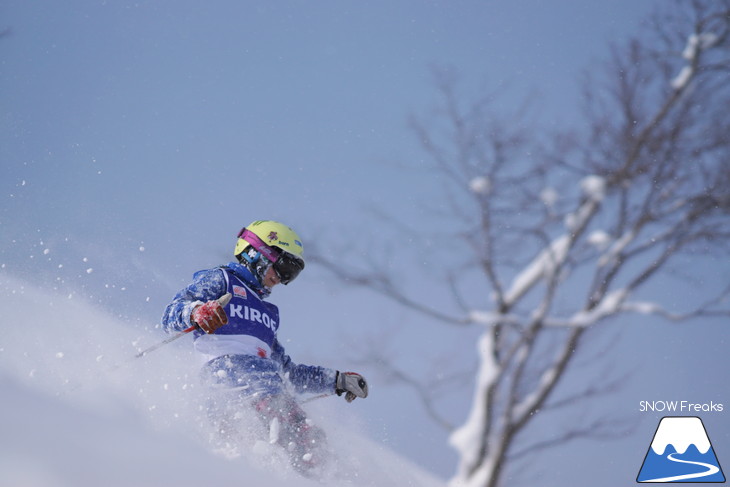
{"x":679,"y":407}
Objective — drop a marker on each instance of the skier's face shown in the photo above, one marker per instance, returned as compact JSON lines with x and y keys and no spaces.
{"x":271,"y":278}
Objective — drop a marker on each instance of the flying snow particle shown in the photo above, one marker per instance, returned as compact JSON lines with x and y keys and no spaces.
{"x":89,"y":270}
{"x":46,"y":251}
{"x":141,"y":248}
{"x":59,"y":355}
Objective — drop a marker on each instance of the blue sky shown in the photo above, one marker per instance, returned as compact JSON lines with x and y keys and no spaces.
{"x":136,"y":138}
{"x":164,"y":114}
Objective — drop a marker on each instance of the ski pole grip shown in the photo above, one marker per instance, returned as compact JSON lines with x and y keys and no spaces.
{"x":223,"y":300}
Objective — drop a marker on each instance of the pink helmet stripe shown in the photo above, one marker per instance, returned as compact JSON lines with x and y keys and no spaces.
{"x":266,"y":250}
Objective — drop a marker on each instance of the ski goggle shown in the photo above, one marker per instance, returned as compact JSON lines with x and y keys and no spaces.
{"x":286,"y":265}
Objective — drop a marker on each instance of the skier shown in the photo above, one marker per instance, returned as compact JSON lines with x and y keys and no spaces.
{"x":244,"y":362}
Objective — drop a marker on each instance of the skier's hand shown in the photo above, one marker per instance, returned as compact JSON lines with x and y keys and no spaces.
{"x":352,"y":384}
{"x":211,"y":315}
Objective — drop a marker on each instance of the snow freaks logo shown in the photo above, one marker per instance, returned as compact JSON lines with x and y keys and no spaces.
{"x":680,"y":452}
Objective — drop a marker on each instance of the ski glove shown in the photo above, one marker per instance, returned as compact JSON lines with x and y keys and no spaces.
{"x":211,"y":315}
{"x":352,"y":384}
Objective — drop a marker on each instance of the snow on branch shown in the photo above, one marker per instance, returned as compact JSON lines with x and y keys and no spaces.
{"x":528,"y":404}
{"x":617,"y":248}
{"x":683,"y":78}
{"x":594,"y":187}
{"x":615,"y":302}
{"x":489,"y":318}
{"x":696,"y":43}
{"x":551,"y":258}
{"x":543,"y":265}
{"x":468,"y":439}
{"x":609,"y":305}
{"x":704,"y":309}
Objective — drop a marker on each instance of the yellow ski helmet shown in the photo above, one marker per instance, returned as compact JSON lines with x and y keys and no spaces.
{"x":276,"y":242}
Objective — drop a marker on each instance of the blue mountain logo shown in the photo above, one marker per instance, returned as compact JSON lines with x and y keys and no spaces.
{"x":680,"y":452}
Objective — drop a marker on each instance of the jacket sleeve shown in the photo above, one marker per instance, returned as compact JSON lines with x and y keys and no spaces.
{"x":304,"y":378}
{"x":206,"y":286}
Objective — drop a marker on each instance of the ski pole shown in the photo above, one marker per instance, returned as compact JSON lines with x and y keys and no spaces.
{"x":314,"y":398}
{"x":166,"y":341}
{"x":223,"y":300}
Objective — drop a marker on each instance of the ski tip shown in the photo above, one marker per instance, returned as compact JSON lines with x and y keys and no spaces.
{"x":223,"y":300}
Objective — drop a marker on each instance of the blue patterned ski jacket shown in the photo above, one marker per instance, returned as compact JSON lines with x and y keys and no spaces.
{"x":245,"y":353}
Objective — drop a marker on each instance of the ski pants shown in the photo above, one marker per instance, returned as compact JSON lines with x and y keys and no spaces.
{"x":244,"y":381}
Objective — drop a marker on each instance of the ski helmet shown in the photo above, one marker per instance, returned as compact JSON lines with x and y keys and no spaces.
{"x":266,"y":243}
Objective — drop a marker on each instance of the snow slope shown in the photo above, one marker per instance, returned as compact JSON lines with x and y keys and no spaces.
{"x":78,"y":410}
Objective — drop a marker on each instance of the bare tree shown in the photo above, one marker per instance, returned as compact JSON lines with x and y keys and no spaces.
{"x":603,"y":211}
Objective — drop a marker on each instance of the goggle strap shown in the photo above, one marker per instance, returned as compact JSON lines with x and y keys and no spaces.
{"x":265,"y":250}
